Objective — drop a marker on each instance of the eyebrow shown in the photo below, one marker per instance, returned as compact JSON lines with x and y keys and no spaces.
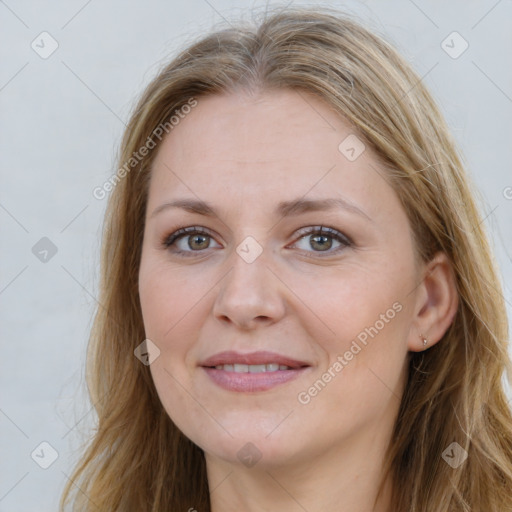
{"x":284,"y":208}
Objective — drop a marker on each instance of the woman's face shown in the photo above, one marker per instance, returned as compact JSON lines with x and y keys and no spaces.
{"x":318,"y":324}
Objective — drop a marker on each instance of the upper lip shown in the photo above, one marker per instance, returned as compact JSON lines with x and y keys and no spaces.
{"x":261,"y":357}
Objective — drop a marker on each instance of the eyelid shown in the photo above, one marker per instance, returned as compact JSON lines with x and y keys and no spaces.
{"x":171,"y":238}
{"x":332,"y":232}
{"x":345,"y":241}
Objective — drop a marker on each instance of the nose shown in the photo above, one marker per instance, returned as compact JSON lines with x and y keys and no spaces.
{"x":250,"y":295}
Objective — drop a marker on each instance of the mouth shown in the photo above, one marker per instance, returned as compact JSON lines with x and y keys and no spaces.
{"x":252,"y":368}
{"x":257,"y":371}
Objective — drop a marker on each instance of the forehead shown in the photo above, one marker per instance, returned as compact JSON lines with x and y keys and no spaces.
{"x":244,"y":147}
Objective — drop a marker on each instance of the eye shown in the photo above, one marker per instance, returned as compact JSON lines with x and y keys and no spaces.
{"x":188,"y":240}
{"x":322,"y":239}
{"x":193,"y":239}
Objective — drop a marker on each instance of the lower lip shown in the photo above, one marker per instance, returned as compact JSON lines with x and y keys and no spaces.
{"x":234,"y":381}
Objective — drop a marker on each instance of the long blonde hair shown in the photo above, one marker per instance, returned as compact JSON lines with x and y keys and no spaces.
{"x":138,"y":459}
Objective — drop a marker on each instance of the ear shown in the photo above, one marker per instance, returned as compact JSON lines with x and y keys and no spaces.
{"x":437,"y":300}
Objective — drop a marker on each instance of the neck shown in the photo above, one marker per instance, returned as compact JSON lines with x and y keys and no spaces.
{"x":344,"y":478}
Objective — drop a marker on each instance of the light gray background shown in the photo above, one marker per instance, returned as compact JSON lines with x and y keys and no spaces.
{"x":61,"y":122}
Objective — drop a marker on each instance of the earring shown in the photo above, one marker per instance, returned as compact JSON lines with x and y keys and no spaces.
{"x":424,"y":339}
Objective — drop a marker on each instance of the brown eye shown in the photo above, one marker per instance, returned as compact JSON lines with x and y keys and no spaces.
{"x":188,"y":240}
{"x":320,"y":239}
{"x":321,"y":242}
{"x":198,"y":241}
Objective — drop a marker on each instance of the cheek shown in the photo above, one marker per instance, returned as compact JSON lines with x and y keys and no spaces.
{"x":366,"y":311}
{"x":348,"y":299}
{"x":369,"y":309}
{"x":172,"y":309}
{"x":175,"y":303}
{"x":168,"y":297}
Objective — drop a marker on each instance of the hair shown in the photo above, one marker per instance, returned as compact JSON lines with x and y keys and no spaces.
{"x":138,"y":459}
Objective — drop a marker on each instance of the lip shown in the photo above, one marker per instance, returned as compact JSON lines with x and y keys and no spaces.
{"x":261,"y":357}
{"x":251,"y":382}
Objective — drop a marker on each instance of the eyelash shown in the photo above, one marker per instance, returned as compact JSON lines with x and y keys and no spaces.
{"x":169,"y":240}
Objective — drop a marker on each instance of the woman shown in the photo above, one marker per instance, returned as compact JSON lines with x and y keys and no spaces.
{"x":299,"y":306}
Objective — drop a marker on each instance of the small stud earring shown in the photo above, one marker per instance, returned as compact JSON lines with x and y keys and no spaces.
{"x":424,"y":339}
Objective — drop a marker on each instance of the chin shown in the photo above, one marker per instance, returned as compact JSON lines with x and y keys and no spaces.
{"x":260,"y":454}
{"x":250,"y":446}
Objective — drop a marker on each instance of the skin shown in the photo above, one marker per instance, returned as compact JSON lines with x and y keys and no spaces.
{"x":244,"y":153}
